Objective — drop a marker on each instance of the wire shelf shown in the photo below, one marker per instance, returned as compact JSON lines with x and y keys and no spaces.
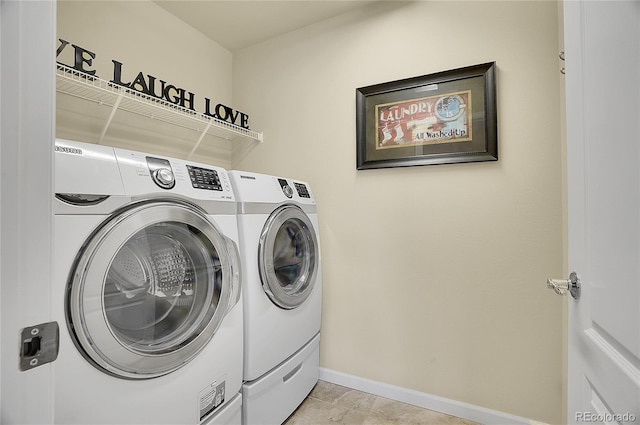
{"x":83,"y":86}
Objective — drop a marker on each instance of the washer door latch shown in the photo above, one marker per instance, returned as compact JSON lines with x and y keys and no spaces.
{"x":39,"y":345}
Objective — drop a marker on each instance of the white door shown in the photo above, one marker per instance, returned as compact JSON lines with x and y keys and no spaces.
{"x":27,"y":130}
{"x":602,"y":50}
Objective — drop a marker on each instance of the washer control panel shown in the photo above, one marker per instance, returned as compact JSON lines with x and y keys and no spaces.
{"x":147,"y":174}
{"x":161,"y":172}
{"x":203,"y":178}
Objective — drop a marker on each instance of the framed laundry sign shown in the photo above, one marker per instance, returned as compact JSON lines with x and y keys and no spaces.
{"x":442,"y":118}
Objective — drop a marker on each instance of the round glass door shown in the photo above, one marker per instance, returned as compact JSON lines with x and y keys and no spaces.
{"x":149,"y":289}
{"x":287,"y":257}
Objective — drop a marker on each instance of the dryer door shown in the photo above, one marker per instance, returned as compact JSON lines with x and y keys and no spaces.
{"x":288,"y":257}
{"x":150,"y":288}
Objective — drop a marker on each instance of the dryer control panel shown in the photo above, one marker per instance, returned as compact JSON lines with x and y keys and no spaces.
{"x":263,"y":188}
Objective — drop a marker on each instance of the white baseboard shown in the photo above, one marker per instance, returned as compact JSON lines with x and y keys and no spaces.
{"x":427,"y":401}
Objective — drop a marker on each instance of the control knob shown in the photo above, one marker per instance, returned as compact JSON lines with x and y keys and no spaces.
{"x":164,"y":178}
{"x":287,"y":191}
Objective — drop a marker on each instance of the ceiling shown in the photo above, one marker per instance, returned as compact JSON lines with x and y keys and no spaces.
{"x":235,"y":24}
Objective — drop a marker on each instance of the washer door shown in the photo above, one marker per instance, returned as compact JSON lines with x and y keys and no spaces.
{"x":288,"y":257}
{"x":150,"y":288}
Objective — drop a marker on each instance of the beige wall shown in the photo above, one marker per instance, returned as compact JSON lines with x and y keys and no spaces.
{"x":144,"y":38}
{"x":434,"y":277}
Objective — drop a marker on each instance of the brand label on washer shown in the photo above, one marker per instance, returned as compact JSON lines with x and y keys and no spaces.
{"x":65,"y":149}
{"x":211,"y":398}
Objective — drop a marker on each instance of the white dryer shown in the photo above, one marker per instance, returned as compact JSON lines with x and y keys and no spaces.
{"x":282,"y":290}
{"x":147,"y":281}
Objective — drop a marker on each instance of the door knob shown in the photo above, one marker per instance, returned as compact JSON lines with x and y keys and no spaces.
{"x":562,"y":286}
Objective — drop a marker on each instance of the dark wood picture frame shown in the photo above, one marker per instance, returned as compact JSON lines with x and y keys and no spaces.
{"x":443,"y":118}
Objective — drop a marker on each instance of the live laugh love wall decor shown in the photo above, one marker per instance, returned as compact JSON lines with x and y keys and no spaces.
{"x":443,"y":118}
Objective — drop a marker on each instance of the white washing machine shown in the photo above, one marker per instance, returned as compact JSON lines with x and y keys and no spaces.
{"x":147,"y":290}
{"x":282,"y":290}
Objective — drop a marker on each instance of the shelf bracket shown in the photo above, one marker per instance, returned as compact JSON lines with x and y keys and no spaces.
{"x":116,"y":104}
{"x":204,"y":132}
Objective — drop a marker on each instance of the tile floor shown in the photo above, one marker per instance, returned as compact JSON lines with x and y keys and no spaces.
{"x":333,"y":404}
